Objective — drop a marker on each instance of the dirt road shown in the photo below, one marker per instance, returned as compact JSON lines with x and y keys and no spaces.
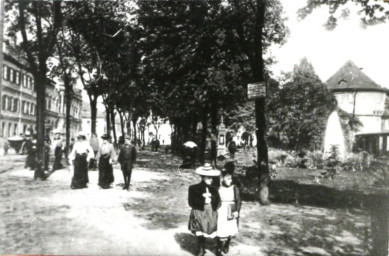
{"x":47,"y":217}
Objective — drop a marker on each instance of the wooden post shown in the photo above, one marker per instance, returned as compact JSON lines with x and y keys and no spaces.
{"x":379,"y":213}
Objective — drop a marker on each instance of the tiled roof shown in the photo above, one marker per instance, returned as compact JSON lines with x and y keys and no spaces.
{"x":349,"y":76}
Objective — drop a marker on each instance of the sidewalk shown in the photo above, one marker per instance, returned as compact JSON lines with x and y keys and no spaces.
{"x":47,"y":217}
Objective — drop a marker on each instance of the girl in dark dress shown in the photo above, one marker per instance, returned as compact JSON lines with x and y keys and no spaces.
{"x":79,"y":158}
{"x":204,"y":200}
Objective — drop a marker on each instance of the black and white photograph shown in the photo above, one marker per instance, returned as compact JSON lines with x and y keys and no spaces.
{"x":194,"y":127}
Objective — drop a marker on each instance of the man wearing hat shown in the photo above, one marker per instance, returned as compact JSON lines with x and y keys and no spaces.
{"x":127,"y":158}
{"x":106,"y":154}
{"x":204,"y":200}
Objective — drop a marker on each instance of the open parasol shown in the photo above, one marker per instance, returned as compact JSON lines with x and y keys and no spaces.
{"x":190,"y":144}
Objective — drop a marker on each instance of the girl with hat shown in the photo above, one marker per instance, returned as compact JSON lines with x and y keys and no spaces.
{"x":105,"y":155}
{"x":228,"y":213}
{"x":204,"y":200}
{"x":79,"y":158}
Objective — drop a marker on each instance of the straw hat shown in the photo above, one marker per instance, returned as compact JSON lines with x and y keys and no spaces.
{"x":207,"y":170}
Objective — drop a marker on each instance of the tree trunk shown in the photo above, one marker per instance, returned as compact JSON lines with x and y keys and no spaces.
{"x":257,"y":66}
{"x":214,"y":118}
{"x":40,"y":86}
{"x":379,"y":214}
{"x":93,"y":108}
{"x":107,"y":112}
{"x":203,"y":143}
{"x":113,"y":125}
{"x":134,"y":119}
{"x":121,"y":122}
{"x":68,"y":99}
{"x":194,"y":127}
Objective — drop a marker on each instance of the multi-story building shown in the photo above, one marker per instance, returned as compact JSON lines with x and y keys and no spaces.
{"x":18,"y":99}
{"x":358,"y":95}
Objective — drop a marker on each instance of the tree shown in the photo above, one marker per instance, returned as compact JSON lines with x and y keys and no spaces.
{"x":256,"y":25}
{"x":39,"y":22}
{"x":304,"y":106}
{"x":371,"y":12}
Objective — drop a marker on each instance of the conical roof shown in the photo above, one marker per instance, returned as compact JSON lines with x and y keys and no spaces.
{"x":350,"y":77}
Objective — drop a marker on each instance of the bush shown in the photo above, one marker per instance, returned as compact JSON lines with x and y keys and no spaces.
{"x":357,"y":162}
{"x":278,"y":156}
{"x":315,"y":160}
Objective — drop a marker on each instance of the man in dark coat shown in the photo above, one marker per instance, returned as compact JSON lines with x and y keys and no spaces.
{"x":127,"y":158}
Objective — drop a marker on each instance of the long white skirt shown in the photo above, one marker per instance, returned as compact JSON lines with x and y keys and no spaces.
{"x":225,"y":227}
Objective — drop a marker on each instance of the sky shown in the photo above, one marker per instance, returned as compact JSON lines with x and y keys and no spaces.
{"x":329,"y":50}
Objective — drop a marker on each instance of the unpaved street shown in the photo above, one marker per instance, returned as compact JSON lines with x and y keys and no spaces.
{"x":47,"y":217}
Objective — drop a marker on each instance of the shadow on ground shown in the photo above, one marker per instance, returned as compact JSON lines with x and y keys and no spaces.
{"x":187,"y":242}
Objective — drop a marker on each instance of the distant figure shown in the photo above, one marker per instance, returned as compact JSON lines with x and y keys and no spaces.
{"x":31,"y":153}
{"x":156,"y":146}
{"x":94,"y":143}
{"x":232,"y":148}
{"x":106,"y":155}
{"x":213,"y":150}
{"x":71,"y":144}
{"x":78,"y":158}
{"x":47,"y":153}
{"x":58,"y":146}
{"x":127,"y":158}
{"x":6,"y":146}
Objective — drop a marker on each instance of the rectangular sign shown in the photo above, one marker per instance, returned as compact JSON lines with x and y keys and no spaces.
{"x":256,"y":90}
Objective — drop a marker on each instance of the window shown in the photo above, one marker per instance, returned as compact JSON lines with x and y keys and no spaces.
{"x":5,"y":72}
{"x":9,"y":129}
{"x":17,"y":77}
{"x":15,"y":129}
{"x":26,"y":107}
{"x":11,"y":75}
{"x":32,"y":109}
{"x":28,"y":82}
{"x":23,"y":77}
{"x":5,"y":100}
{"x":3,"y":129}
{"x":15,"y":106}
{"x":9,"y":104}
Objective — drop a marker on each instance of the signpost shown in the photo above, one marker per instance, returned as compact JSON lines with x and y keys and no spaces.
{"x":256,"y":90}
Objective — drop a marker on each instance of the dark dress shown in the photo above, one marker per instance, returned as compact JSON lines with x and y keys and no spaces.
{"x":203,"y":217}
{"x":105,"y":171}
{"x":31,"y":154}
{"x":58,"y":157}
{"x":80,"y":178}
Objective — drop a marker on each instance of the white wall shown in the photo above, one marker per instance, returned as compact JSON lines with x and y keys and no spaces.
{"x":369,"y":107}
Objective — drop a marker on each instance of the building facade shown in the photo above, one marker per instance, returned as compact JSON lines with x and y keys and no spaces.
{"x":18,"y":99}
{"x":359,"y":96}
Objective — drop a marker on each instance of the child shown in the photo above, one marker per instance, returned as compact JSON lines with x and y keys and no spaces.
{"x":204,"y":200}
{"x":228,"y":213}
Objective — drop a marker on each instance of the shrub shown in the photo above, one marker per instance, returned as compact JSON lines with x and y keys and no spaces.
{"x":315,"y":160}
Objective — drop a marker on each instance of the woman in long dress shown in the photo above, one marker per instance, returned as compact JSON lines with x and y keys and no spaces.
{"x":79,"y":158}
{"x":106,"y":154}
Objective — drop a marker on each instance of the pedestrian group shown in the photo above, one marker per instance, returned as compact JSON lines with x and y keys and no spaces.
{"x":215,"y":209}
{"x":85,"y":156}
